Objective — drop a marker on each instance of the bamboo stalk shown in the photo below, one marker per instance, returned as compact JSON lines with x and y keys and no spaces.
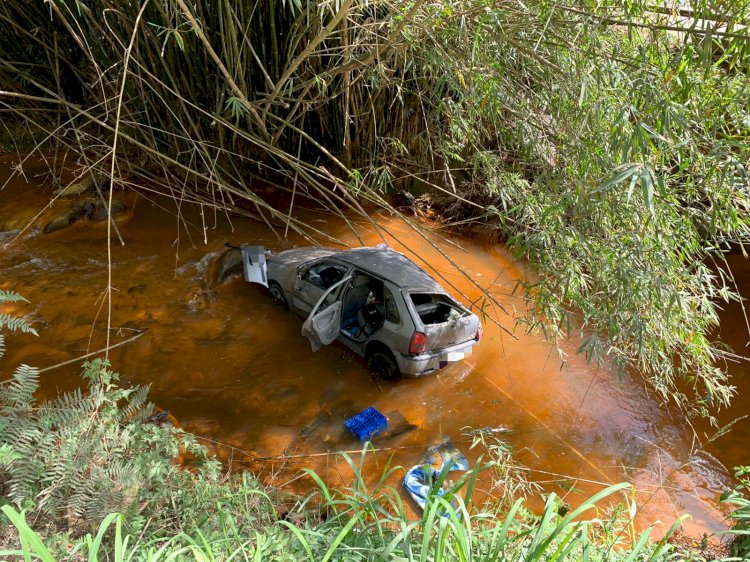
{"x":292,"y":67}
{"x":232,"y":85}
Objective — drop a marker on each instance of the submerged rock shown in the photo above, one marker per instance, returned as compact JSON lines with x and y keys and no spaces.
{"x":326,"y":428}
{"x":84,"y":186}
{"x":58,"y":223}
{"x":78,"y":211}
{"x":6,"y":234}
{"x":199,"y":299}
{"x":397,"y":425}
{"x":100,"y":211}
{"x":92,"y":210}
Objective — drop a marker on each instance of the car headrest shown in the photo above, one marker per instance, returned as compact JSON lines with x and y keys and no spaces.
{"x":360,"y":280}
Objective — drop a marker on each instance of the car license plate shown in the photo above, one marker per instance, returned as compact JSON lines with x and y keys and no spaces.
{"x":454,"y":356}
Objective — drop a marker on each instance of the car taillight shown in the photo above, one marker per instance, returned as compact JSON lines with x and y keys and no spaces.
{"x":417,"y":343}
{"x":479,"y":334}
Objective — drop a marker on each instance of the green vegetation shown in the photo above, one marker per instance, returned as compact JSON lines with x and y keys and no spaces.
{"x":12,"y":323}
{"x":740,"y":499}
{"x":357,"y":530}
{"x":84,"y":455}
{"x":606,"y":143}
{"x":626,"y":179}
{"x":70,"y":462}
{"x":88,"y":460}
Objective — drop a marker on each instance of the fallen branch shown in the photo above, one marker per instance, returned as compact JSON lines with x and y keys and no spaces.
{"x":97,"y":352}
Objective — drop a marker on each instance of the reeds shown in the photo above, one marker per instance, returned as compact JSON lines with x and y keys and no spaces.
{"x":213,"y":94}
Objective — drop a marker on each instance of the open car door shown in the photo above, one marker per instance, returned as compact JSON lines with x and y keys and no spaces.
{"x":254,"y":264}
{"x":323,"y":325}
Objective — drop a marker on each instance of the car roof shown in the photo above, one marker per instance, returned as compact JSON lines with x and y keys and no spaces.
{"x":391,"y":265}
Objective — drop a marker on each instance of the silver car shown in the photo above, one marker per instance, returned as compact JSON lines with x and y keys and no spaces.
{"x":374,"y":300}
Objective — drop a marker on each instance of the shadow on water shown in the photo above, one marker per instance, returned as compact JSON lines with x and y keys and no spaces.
{"x":232,"y":367}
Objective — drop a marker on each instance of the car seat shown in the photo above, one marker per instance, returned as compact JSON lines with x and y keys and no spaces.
{"x":356,"y":297}
{"x":370,"y":318}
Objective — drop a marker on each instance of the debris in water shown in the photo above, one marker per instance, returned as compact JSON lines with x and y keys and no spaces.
{"x":158,"y":418}
{"x":499,"y":430}
{"x":228,"y":263}
{"x":100,"y":210}
{"x":397,"y":425}
{"x":366,"y":424}
{"x":442,"y":457}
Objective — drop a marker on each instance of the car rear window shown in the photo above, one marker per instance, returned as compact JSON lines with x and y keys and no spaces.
{"x":435,"y":308}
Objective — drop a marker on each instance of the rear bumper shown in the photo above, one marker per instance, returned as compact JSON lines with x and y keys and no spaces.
{"x":426,"y":363}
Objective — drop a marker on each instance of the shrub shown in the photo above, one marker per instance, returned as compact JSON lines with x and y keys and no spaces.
{"x":86,"y":454}
{"x":740,"y":497}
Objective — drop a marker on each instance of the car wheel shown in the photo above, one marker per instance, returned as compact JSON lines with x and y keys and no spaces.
{"x":277,"y":295}
{"x":382,"y":364}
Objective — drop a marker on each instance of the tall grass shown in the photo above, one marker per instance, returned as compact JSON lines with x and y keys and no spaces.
{"x":362,"y":524}
{"x":214,"y":93}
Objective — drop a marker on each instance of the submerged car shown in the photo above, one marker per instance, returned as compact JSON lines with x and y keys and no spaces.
{"x":374,"y":300}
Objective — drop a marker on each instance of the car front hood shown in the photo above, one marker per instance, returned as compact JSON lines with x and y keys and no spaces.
{"x":292,"y":258}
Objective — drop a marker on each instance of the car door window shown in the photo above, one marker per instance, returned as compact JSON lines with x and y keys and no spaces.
{"x":314,"y":281}
{"x":391,"y":308}
{"x":324,"y":274}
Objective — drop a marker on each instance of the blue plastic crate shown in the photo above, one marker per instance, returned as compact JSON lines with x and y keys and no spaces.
{"x":366,"y":424}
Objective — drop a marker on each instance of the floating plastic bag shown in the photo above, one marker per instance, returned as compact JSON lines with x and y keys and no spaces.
{"x":419,"y":478}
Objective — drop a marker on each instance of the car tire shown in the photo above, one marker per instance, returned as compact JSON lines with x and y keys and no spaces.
{"x":382,"y":364}
{"x":277,"y":295}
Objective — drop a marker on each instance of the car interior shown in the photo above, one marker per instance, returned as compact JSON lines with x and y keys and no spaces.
{"x":433,"y":309}
{"x":363,"y":311}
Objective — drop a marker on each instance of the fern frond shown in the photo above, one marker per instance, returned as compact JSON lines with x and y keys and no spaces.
{"x":85,"y":453}
{"x":136,"y":409}
{"x":66,"y":412}
{"x":85,"y":492}
{"x":10,"y":296}
{"x":26,"y":469}
{"x":16,"y":324}
{"x":8,"y":454}
{"x":12,"y":323}
{"x":19,"y":392}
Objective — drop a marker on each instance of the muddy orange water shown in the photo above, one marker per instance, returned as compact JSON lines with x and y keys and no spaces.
{"x":233,"y":368}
